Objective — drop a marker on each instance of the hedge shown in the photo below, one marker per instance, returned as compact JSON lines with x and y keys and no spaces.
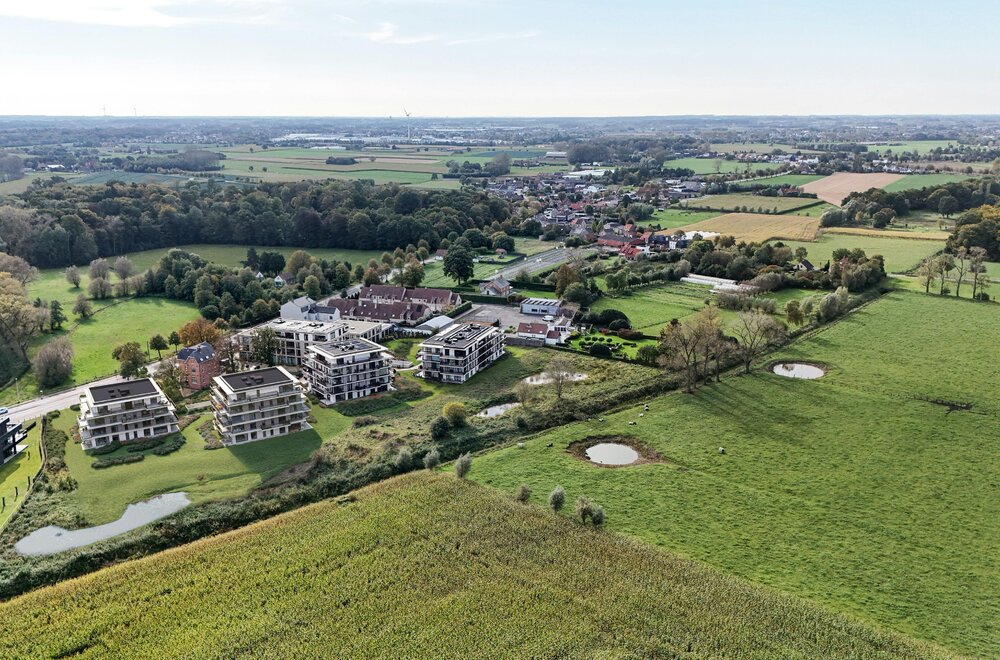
{"x":121,"y":460}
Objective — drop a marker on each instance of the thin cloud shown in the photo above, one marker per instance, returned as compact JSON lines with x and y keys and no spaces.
{"x":388,"y":33}
{"x":489,"y":38}
{"x":141,"y":13}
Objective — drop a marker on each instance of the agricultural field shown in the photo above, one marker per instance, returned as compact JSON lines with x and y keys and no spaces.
{"x":707,"y":165}
{"x":912,"y":181}
{"x":20,"y":185}
{"x":760,"y":227}
{"x":855,"y":491}
{"x":916,"y":232}
{"x":784,"y":180}
{"x":816,"y":210}
{"x":377,"y":560}
{"x":836,"y":187}
{"x":900,"y":254}
{"x":917,"y":146}
{"x":756,"y":147}
{"x":14,"y":474}
{"x":737,"y":201}
{"x":674,"y":217}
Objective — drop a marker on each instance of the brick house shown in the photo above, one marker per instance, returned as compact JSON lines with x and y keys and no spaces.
{"x":198,"y":364}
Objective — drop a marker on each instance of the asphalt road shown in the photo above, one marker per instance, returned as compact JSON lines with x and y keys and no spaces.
{"x":542,"y":261}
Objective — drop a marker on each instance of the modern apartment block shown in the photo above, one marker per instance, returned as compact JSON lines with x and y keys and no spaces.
{"x":294,"y":337}
{"x":348,"y":369}
{"x":258,"y":404}
{"x":10,"y":435}
{"x":132,"y":410}
{"x":460,"y":352}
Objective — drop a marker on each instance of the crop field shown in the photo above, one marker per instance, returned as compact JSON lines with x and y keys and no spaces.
{"x":836,"y":187}
{"x":783,"y":180}
{"x":917,"y":232}
{"x":674,"y":217}
{"x":912,"y":181}
{"x":707,"y":165}
{"x":15,"y":473}
{"x":900,"y":254}
{"x":760,"y":227}
{"x":855,"y":490}
{"x":737,"y":201}
{"x":428,"y":565}
{"x":756,"y":147}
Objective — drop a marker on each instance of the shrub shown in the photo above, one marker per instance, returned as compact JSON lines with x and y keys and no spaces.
{"x":523,"y":494}
{"x":439,"y":428}
{"x":363,"y":420}
{"x":600,"y":351}
{"x":597,"y":516}
{"x":455,"y":413}
{"x":619,"y":324}
{"x":121,"y":460}
{"x":404,"y":460}
{"x":557,"y":498}
{"x":170,"y":446}
{"x":463,"y":465}
{"x":584,"y":508}
{"x":432,"y":459}
{"x":109,"y":448}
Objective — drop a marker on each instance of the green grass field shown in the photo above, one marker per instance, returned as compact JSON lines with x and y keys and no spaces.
{"x":918,"y":146}
{"x":753,"y":203}
{"x":652,"y":307}
{"x":15,"y":473}
{"x":428,"y":566}
{"x":677,"y":217}
{"x":911,"y":181}
{"x":853,"y":490}
{"x":901,"y":254}
{"x":707,"y":165}
{"x":783,"y":180}
{"x":815,"y":211}
{"x":755,"y":147}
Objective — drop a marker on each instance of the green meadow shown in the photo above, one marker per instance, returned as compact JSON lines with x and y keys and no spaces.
{"x":855,"y":491}
{"x":912,"y":181}
{"x":901,"y":254}
{"x":707,"y":165}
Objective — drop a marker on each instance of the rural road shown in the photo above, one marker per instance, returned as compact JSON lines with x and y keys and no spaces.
{"x":62,"y":399}
{"x":541,"y":261}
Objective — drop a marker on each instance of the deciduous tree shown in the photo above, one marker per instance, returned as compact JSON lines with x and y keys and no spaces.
{"x":754,"y":332}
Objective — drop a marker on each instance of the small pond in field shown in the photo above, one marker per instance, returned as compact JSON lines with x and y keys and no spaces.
{"x":798,"y":370}
{"x":546,"y":379}
{"x":52,"y":539}
{"x":612,"y":453}
{"x":497,"y":410}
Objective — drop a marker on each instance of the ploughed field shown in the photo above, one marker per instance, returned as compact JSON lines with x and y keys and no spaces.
{"x":871,"y":490}
{"x":428,"y":566}
{"x":836,"y":187}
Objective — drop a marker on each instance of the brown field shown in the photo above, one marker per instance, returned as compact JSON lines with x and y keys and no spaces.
{"x":757,"y":228}
{"x":890,"y":233}
{"x":836,"y":187}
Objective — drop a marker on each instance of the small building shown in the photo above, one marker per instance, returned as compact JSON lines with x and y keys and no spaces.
{"x":805,"y":265}
{"x":533,"y":331}
{"x":460,"y":352}
{"x":541,"y":306}
{"x":497,"y":286}
{"x":11,"y":435}
{"x":132,"y":410}
{"x":198,"y":365}
{"x":258,"y":404}
{"x":347,"y":369}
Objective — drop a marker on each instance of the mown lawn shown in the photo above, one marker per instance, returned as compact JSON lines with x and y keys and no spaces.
{"x":428,"y":566}
{"x":652,"y":307}
{"x":853,"y":490}
{"x":14,"y":473}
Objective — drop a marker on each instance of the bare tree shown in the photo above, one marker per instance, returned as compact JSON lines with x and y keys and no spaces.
{"x":124,"y":268}
{"x":18,"y":268}
{"x":98,"y":269}
{"x":708,"y":326}
{"x":559,"y":371}
{"x":961,"y":268}
{"x":54,"y":362}
{"x":73,"y":276}
{"x":525,"y":393}
{"x":977,"y":256}
{"x":943,"y":264}
{"x":927,"y":273}
{"x":754,"y":332}
{"x":680,"y":345}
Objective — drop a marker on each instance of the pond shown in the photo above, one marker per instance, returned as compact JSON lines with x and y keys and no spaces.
{"x":52,"y":539}
{"x":798,"y":370}
{"x":546,"y":378}
{"x":612,"y":453}
{"x":497,"y":410}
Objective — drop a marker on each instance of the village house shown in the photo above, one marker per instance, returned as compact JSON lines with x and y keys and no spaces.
{"x":496,"y":286}
{"x":532,"y":331}
{"x":347,"y":369}
{"x":133,"y":410}
{"x":258,"y":404}
{"x":198,"y":365}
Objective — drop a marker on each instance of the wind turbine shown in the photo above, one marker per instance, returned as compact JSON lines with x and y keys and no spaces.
{"x":405,"y":112}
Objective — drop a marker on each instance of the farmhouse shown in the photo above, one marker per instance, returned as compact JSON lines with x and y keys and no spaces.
{"x":347,"y":369}
{"x":259,"y":404}
{"x":460,"y":352}
{"x":496,"y":286}
{"x":133,"y":410}
{"x":10,"y":435}
{"x":198,"y":365}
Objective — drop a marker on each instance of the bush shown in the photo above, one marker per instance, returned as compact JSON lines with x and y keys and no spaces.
{"x":121,"y":460}
{"x":109,"y":448}
{"x":404,"y":460}
{"x":455,"y":413}
{"x":463,"y":465}
{"x":170,"y":446}
{"x":584,"y":508}
{"x":364,"y":420}
{"x":143,"y":445}
{"x":597,"y":516}
{"x":557,"y":498}
{"x":600,"y":351}
{"x":619,"y":324}
{"x":432,"y":459}
{"x":439,"y":428}
{"x":648,"y":354}
{"x":523,"y":494}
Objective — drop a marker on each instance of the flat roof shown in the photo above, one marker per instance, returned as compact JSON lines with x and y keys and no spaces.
{"x":542,"y":301}
{"x":248,"y":380}
{"x":459,"y":335}
{"x":343,"y":347}
{"x":303,"y":325}
{"x":126,"y":390}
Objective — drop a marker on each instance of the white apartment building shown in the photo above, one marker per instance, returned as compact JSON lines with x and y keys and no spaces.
{"x":294,"y":337}
{"x":347,"y":369}
{"x":258,"y":404}
{"x":460,"y":352}
{"x":133,"y":410}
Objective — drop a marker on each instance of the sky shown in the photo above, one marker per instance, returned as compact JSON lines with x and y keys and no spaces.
{"x":463,"y":58}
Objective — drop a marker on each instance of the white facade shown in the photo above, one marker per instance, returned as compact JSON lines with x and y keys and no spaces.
{"x":540,"y":306}
{"x":460,"y":352}
{"x":133,"y":410}
{"x":258,"y":404}
{"x":348,"y":369}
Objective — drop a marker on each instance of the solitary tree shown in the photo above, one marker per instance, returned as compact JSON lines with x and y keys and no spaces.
{"x":680,"y":347}
{"x":130,"y":358}
{"x":557,"y":499}
{"x":158,"y":343}
{"x":754,"y":331}
{"x":98,"y":269}
{"x":559,"y":372}
{"x":54,"y":362}
{"x":455,"y":413}
{"x":124,"y":268}
{"x":459,"y":264}
{"x":56,"y":315}
{"x":73,"y":276}
{"x":926,"y":273}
